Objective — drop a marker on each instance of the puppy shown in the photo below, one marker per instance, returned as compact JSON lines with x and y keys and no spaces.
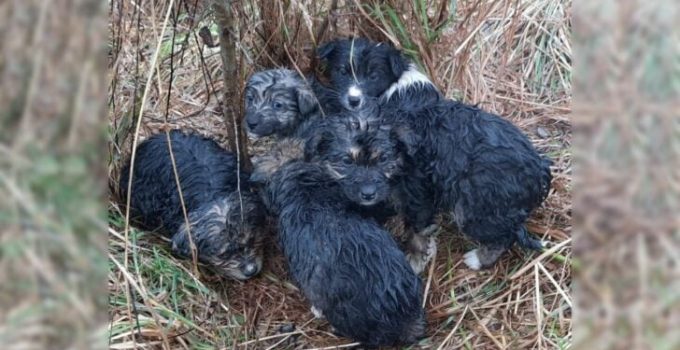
{"x":460,"y":159}
{"x":280,"y":102}
{"x":360,"y":70}
{"x":362,"y":155}
{"x":348,"y":267}
{"x":223,"y":223}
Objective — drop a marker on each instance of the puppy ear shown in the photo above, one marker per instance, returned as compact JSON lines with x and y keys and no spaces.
{"x":318,"y":144}
{"x":306,"y":101}
{"x":325,"y":51}
{"x":407,"y":139}
{"x":398,"y":63}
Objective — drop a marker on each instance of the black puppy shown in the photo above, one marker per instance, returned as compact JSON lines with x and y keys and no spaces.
{"x":360,"y":70}
{"x":223,"y":223}
{"x":477,"y":166}
{"x":348,"y":267}
{"x":461,"y":159}
{"x":362,"y":155}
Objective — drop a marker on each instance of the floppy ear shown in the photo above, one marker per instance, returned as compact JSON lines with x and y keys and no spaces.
{"x":407,"y":139}
{"x":398,"y":62}
{"x":306,"y":101}
{"x":317,"y":144}
{"x":325,"y":51}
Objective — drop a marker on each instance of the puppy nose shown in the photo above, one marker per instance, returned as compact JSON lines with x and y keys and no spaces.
{"x":368,"y":192}
{"x":354,"y":101}
{"x":252,"y":122}
{"x":249,"y":269}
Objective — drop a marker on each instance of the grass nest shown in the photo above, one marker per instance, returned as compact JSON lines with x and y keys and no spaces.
{"x":511,"y":58}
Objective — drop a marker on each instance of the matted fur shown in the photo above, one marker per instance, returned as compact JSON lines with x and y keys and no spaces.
{"x":347,"y":266}
{"x":460,"y":159}
{"x":223,"y":222}
{"x":278,"y":101}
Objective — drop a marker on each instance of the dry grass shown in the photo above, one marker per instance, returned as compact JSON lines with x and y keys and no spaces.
{"x":511,"y":57}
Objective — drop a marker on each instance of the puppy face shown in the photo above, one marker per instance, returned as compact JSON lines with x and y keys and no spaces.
{"x":276,"y":102}
{"x":361,"y":156}
{"x":359,"y":68}
{"x":225,"y":237}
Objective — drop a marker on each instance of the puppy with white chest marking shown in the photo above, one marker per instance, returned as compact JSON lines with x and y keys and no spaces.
{"x":360,"y":69}
{"x":459,"y":159}
{"x":223,"y":223}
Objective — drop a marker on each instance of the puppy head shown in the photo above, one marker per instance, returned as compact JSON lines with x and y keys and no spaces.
{"x":361,"y":155}
{"x":226,"y":238}
{"x":359,"y":68}
{"x":276,"y":100}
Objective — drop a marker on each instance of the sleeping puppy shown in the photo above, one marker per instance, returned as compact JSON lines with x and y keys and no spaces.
{"x":223,"y":223}
{"x":459,"y":159}
{"x":347,"y":266}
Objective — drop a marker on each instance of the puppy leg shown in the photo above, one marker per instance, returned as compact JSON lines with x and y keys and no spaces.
{"x":421,"y":248}
{"x":418,"y":212}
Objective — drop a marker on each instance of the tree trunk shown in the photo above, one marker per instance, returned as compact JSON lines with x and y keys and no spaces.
{"x":231,"y":103}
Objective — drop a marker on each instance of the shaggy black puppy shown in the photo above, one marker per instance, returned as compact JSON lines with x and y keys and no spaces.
{"x":223,"y":223}
{"x":360,"y":69}
{"x":362,"y":155}
{"x":479,"y":167}
{"x":459,"y":158}
{"x":348,"y":267}
{"x":280,"y":102}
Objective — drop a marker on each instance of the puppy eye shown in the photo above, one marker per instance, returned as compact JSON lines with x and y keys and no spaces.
{"x":374,"y":77}
{"x":249,"y":98}
{"x":347,"y":160}
{"x":344,"y":71}
{"x":278,"y":105}
{"x":383,"y":158}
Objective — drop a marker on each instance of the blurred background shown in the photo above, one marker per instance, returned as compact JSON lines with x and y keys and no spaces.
{"x":626,"y":119}
{"x":64,"y":64}
{"x":52,"y":174}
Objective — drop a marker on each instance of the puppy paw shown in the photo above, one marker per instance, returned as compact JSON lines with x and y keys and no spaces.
{"x":420,"y":252}
{"x":471,"y":259}
{"x":317,"y":313}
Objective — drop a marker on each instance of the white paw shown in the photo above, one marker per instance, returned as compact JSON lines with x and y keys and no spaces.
{"x":317,"y":313}
{"x":471,"y":259}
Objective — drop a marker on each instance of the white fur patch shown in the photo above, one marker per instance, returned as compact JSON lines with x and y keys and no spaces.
{"x":317,"y":313}
{"x":411,"y":77}
{"x":354,"y":91}
{"x":471,"y":259}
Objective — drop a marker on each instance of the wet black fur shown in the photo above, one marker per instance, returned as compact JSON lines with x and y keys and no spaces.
{"x":208,"y":180}
{"x":362,"y":155}
{"x":459,"y":158}
{"x":375,"y":67}
{"x":347,"y":266}
{"x":475,"y":164}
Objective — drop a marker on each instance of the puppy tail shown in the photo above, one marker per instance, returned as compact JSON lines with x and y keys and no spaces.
{"x":525,"y":240}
